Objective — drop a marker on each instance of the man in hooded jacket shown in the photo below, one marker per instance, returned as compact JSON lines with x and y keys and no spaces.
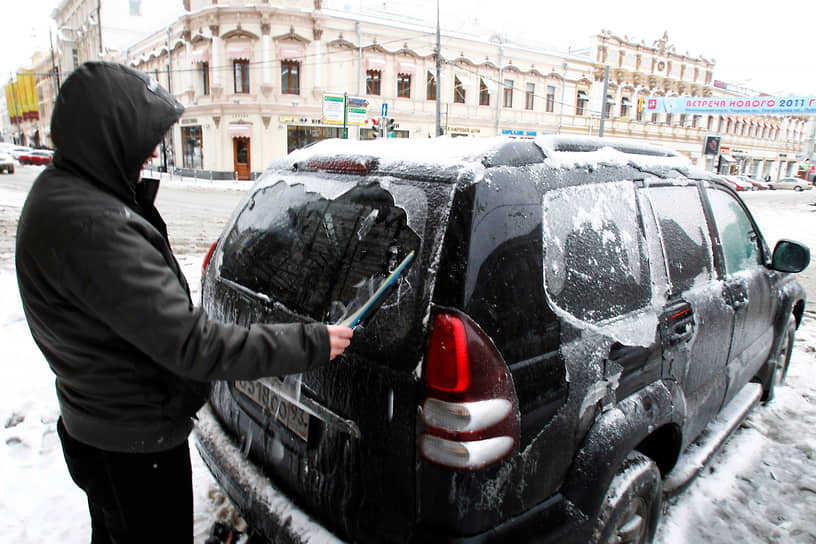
{"x":108,"y":305}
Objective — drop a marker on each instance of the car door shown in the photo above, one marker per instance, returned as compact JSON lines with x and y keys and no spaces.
{"x":746,"y":285}
{"x":696,"y":321}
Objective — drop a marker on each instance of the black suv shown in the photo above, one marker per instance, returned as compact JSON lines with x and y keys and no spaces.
{"x":583,"y":324}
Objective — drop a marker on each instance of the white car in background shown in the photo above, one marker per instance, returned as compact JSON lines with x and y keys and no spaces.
{"x":797,"y":184}
{"x":6,"y":162}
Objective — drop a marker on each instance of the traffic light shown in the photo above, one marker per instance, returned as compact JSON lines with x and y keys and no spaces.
{"x":390,"y":126}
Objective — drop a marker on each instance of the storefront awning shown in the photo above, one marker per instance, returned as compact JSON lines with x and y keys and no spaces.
{"x":200,"y":56}
{"x":239,"y":131}
{"x":295,"y":54}
{"x":238,"y":51}
{"x":407,"y":68}
{"x":375,"y":63}
{"x":727,"y":158}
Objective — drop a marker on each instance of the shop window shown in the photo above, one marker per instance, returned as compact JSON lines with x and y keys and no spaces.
{"x":373,"y":82}
{"x":529,"y":98}
{"x":430,"y":87}
{"x":191,"y":146}
{"x":241,"y":72}
{"x":508,"y":93}
{"x":458,"y":91}
{"x":484,"y":94}
{"x":290,"y":77}
{"x":404,"y":85}
{"x":550,"y":98}
{"x":625,"y":107}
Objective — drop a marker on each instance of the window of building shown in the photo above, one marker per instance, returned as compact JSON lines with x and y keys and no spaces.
{"x":373,"y":82}
{"x":290,"y":77}
{"x":580,"y":103}
{"x":695,"y":120}
{"x":625,"y":107}
{"x":404,"y":85}
{"x":430,"y":87}
{"x":458,"y":91}
{"x":728,"y":125}
{"x":639,"y":112}
{"x":529,"y":97}
{"x":135,"y":8}
{"x":668,"y":118}
{"x":205,"y":78}
{"x":191,"y":147}
{"x":508,"y":93}
{"x":682,"y":119}
{"x":484,"y":94}
{"x":710,"y":122}
{"x":654,"y":118}
{"x":609,"y":106}
{"x":241,"y":71}
{"x":550,"y":106}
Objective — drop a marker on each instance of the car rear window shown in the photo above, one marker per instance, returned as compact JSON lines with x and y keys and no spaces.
{"x":318,"y":253}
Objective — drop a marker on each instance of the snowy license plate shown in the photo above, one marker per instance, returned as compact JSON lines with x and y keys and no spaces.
{"x":294,"y":418}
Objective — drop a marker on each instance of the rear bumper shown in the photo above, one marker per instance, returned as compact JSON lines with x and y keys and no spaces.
{"x":264,"y":507}
{"x":271,"y":512}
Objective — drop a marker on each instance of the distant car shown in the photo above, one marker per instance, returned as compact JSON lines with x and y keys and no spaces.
{"x":36,"y":156}
{"x":739,"y":183}
{"x":19,"y":150}
{"x":6,"y":163}
{"x":797,"y":184}
{"x":757,"y":185}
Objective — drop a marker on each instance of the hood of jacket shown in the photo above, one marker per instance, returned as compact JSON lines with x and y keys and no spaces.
{"x":107,"y":120}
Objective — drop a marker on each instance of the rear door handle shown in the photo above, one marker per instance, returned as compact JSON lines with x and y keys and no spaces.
{"x":677,"y":322}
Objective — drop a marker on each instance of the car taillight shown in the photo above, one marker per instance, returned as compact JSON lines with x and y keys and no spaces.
{"x":207,"y":258}
{"x":470,"y":414}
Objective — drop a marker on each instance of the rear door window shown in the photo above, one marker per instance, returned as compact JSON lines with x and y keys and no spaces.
{"x":595,"y":264}
{"x":684,"y":235}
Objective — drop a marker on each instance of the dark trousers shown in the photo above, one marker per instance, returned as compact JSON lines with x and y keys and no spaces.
{"x":133,"y":497}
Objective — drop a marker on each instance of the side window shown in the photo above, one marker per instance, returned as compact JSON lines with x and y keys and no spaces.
{"x":740,"y":242}
{"x":595,"y":263}
{"x":684,"y":235}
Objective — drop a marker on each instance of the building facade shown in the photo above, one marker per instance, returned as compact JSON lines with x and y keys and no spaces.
{"x":257,"y":80}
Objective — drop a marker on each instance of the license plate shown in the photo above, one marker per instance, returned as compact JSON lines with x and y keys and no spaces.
{"x":292,"y":417}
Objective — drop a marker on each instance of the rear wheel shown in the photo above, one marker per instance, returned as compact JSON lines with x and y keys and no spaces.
{"x":781,"y":360}
{"x":632,"y":505}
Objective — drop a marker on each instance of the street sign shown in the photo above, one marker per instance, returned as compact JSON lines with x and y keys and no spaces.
{"x":333,"y":108}
{"x":384,"y":109}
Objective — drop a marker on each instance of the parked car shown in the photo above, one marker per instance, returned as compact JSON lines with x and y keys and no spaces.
{"x":797,"y":184}
{"x":37,"y":156}
{"x":577,"y":313}
{"x":19,"y":150}
{"x":739,"y":184}
{"x":6,"y":163}
{"x":756,"y":184}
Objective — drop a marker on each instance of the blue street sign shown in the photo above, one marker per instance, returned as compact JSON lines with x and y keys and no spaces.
{"x":385,"y":109}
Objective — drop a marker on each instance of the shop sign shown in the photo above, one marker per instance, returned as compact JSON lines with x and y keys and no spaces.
{"x":781,"y":105}
{"x":465,"y":130}
{"x":344,"y":109}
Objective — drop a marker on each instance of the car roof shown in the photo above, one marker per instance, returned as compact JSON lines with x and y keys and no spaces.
{"x":447,"y":157}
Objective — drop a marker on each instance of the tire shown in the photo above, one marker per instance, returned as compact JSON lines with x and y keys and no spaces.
{"x":632,"y":506}
{"x":797,"y":188}
{"x":781,"y":360}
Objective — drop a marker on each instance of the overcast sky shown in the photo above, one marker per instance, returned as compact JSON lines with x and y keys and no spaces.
{"x":769,"y":47}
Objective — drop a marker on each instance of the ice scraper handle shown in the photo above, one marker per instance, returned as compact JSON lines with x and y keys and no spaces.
{"x":354,"y":319}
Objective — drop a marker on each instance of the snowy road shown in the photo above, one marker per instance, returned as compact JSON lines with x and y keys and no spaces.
{"x":761,"y":488}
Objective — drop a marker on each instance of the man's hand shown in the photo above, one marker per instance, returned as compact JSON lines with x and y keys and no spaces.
{"x":339,"y":339}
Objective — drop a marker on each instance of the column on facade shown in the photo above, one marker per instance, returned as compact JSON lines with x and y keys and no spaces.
{"x":188,"y":80}
{"x":217,"y":59}
{"x":266,"y":46}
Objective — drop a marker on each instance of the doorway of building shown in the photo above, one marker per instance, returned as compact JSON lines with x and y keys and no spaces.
{"x":241,"y":158}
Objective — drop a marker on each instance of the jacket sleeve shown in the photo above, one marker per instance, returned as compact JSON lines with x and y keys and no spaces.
{"x":118,"y":273}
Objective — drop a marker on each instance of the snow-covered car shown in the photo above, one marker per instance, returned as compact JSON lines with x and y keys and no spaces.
{"x":756,"y":184}
{"x":18,"y":151}
{"x":6,"y":163}
{"x":37,"y":156}
{"x":739,"y":183}
{"x":572,"y":327}
{"x":797,"y":184}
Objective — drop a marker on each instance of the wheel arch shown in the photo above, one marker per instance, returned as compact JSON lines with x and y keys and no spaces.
{"x":649,"y":420}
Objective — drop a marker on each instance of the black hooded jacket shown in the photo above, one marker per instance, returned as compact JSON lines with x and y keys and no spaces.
{"x":104,"y":297}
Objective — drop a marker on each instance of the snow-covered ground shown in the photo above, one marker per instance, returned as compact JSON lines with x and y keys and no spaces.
{"x":761,"y":487}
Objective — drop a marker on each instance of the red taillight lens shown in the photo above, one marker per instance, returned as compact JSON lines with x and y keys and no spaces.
{"x":207,"y":258}
{"x":448,"y":368}
{"x":470,"y":415}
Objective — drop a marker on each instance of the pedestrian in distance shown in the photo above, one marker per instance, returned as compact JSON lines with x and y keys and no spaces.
{"x":110,"y":309}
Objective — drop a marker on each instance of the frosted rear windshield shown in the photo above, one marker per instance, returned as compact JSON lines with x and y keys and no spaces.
{"x":317,"y":255}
